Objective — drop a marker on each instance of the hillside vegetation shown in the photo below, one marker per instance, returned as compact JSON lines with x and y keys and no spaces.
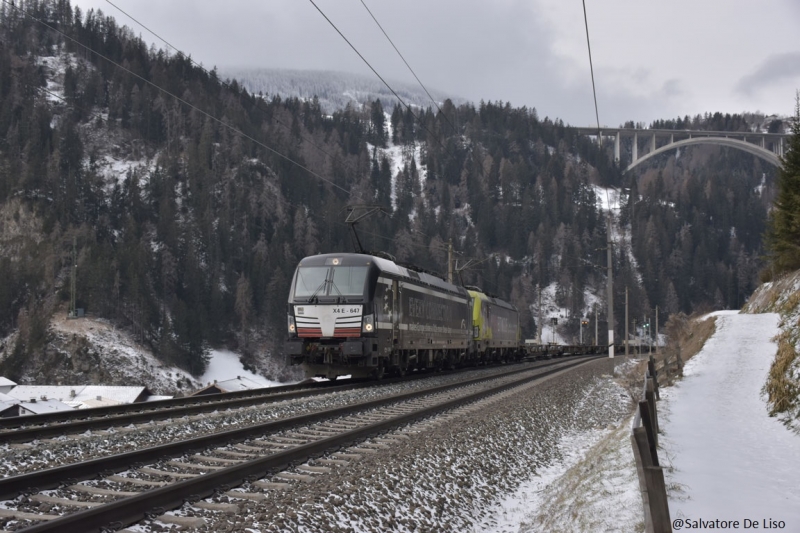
{"x":192,"y":199}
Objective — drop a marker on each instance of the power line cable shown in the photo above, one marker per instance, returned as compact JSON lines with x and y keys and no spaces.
{"x":179,"y":99}
{"x":225,"y":84}
{"x":399,"y":98}
{"x":591,"y":67}
{"x":280,"y":200}
{"x":409,"y":66}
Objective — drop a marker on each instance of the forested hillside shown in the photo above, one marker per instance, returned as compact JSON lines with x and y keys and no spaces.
{"x":192,"y":199}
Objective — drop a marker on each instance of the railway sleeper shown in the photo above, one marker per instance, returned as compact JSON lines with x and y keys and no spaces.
{"x":88,"y":489}
{"x":227,"y":508}
{"x":212,"y":459}
{"x":166,"y":473}
{"x":136,"y":481}
{"x":193,"y":466}
{"x":241,"y":495}
{"x":272,"y":485}
{"x":291,"y":476}
{"x":315,"y":469}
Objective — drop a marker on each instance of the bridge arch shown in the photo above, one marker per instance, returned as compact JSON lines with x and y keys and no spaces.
{"x":750,"y":148}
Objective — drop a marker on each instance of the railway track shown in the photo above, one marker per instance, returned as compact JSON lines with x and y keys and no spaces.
{"x":161,"y":478}
{"x":29,"y":428}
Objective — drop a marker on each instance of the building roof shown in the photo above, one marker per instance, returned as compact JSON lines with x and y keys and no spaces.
{"x":80,"y":393}
{"x":5,"y":405}
{"x":5,"y":382}
{"x":42,"y":406}
{"x":238,"y":383}
{"x":7,"y":398}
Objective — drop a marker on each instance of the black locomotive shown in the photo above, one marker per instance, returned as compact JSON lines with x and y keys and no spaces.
{"x":365,"y":315}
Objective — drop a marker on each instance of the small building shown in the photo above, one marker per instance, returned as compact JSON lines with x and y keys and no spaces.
{"x":6,"y":385}
{"x":80,"y":393}
{"x":39,"y":407}
{"x":239,"y":383}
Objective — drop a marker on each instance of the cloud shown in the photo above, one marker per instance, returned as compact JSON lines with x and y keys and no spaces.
{"x":777,"y":67}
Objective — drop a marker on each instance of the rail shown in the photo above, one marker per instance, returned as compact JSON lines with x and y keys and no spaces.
{"x":133,"y":508}
{"x":644,"y":439}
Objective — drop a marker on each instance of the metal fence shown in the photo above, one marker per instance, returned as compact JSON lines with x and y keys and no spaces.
{"x":644,"y":438}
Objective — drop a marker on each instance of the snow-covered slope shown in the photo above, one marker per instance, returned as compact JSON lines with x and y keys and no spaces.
{"x":727,"y":458}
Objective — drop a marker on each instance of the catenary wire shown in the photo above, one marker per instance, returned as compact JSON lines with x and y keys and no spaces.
{"x":409,"y":66}
{"x":591,"y":67}
{"x":280,"y":200}
{"x":179,"y":99}
{"x":399,"y":98}
{"x":198,"y":65}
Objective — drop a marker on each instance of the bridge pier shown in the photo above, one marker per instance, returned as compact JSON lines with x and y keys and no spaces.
{"x":616,"y":148}
{"x":635,"y":156}
{"x":653,"y":143}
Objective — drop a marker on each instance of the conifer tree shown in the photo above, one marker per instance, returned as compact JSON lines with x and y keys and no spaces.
{"x":783,"y":234}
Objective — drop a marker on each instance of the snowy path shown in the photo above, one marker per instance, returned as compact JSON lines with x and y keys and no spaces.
{"x":731,"y":460}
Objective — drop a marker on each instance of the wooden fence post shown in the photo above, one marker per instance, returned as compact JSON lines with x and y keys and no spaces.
{"x":644,"y":439}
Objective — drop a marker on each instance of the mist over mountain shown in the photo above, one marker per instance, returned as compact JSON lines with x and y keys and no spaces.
{"x":335,"y":90}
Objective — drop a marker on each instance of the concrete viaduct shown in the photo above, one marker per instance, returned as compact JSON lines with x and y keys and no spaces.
{"x":768,"y":146}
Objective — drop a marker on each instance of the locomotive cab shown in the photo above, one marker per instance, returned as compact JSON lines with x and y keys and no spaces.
{"x":331,"y":322}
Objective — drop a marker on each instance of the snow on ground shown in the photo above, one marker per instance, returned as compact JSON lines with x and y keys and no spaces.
{"x":399,"y":156}
{"x":727,"y":458}
{"x":225,"y":365}
{"x":607,"y":197}
{"x":122,"y":353}
{"x":595,"y":488}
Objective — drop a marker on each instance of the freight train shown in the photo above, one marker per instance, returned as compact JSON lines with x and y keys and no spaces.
{"x":367,"y":316}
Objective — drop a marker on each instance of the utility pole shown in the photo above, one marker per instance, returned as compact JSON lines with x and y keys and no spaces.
{"x":656,"y":330}
{"x":595,"y":325}
{"x":72,"y":311}
{"x":635,"y":334}
{"x":450,"y":261}
{"x":541,"y":324}
{"x":610,"y":283}
{"x":626,"y":323}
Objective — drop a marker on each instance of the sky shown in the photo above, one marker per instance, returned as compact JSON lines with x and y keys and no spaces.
{"x":652,"y":60}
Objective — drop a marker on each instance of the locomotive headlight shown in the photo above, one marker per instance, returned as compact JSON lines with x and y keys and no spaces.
{"x":292,"y":327}
{"x":368,"y":324}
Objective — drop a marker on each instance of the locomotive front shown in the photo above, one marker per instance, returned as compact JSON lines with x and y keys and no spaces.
{"x":331,"y":320}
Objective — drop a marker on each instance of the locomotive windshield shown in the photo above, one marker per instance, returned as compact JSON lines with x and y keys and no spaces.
{"x":330,"y":281}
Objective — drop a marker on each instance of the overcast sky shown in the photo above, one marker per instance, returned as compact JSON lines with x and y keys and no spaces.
{"x":652,"y":59}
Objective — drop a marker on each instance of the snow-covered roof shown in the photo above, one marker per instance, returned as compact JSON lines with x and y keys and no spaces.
{"x":80,"y":393}
{"x":155,"y":398}
{"x":6,"y":404}
{"x":5,"y":382}
{"x":239,"y":383}
{"x":7,"y":398}
{"x":43,"y":406}
{"x":95,"y":402}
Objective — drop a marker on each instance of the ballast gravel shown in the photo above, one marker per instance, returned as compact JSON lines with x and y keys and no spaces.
{"x":16,"y":459}
{"x":445,"y":474}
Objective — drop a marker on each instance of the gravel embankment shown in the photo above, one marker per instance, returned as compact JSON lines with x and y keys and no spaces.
{"x":50,"y":453}
{"x":450,"y":473}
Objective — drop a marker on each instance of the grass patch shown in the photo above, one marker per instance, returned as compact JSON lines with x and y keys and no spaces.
{"x":686,"y":337}
{"x":781,"y":390}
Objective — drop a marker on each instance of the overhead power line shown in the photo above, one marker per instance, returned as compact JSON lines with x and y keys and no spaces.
{"x":178,"y":98}
{"x":591,"y":68}
{"x":198,"y":65}
{"x":409,"y":66}
{"x":117,"y":65}
{"x":399,"y":98}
